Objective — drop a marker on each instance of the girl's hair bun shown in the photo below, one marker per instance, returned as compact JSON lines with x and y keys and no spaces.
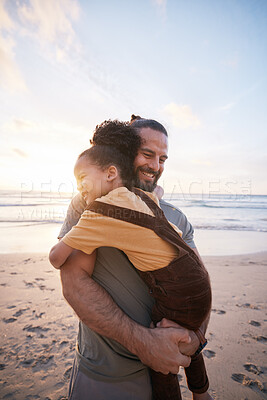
{"x":119,"y":135}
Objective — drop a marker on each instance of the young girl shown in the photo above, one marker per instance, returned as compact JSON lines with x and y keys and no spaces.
{"x":129,"y":219}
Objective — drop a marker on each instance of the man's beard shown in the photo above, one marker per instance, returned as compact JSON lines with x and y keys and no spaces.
{"x":146,"y":186}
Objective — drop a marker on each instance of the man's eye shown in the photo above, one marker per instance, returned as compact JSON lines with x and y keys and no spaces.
{"x":162,"y":160}
{"x":147,"y":155}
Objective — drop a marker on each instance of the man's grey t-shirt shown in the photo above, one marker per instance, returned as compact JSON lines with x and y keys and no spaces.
{"x":99,"y":357}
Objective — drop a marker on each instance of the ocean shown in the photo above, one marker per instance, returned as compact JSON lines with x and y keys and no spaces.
{"x":224,"y":224}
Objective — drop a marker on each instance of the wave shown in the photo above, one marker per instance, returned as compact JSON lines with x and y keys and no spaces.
{"x":226,"y":206}
{"x":30,"y":204}
{"x":229,"y":228}
{"x":32,"y":221}
{"x":203,"y":226}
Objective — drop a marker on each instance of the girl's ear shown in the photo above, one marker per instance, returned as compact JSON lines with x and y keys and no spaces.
{"x":112,"y":173}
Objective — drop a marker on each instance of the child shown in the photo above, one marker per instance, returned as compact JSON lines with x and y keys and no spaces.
{"x":131,"y":220}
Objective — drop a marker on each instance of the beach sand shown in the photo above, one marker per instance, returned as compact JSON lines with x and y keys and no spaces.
{"x":38,"y":329}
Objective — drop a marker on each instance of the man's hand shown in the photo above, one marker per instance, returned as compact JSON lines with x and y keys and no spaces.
{"x":186,"y":348}
{"x":160,"y":350}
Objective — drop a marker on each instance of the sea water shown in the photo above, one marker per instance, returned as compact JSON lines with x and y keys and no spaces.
{"x":223,"y":224}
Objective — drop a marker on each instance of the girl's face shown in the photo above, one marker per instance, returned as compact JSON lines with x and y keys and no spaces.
{"x":92,"y":181}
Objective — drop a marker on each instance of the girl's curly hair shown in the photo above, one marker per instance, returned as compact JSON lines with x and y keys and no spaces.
{"x":115,"y":143}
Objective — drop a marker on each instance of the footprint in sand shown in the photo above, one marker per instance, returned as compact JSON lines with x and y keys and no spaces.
{"x":254,"y":323}
{"x":246,"y":381}
{"x":67,"y":374}
{"x":27,"y":363}
{"x":209,"y":353}
{"x":248,"y":305}
{"x":20,"y":312}
{"x":29,"y":284}
{"x":262,"y":339}
{"x":9,"y":320}
{"x":31,"y":328}
{"x":253,"y":368}
{"x":218,"y":311}
{"x":259,"y":338}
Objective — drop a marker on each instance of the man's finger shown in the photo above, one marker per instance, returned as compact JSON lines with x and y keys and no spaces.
{"x":181,"y":335}
{"x":166,"y":323}
{"x":184,"y":361}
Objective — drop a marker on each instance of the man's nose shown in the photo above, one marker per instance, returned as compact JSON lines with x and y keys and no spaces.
{"x":154,"y":164}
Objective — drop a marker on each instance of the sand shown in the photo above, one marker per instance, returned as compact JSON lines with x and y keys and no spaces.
{"x":38,"y":329}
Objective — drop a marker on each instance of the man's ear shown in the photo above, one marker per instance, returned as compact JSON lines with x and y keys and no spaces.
{"x":112,"y":173}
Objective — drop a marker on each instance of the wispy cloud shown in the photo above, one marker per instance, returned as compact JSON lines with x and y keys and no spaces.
{"x":181,"y":116}
{"x":20,"y":152}
{"x":17,"y":125}
{"x":10,"y":75}
{"x":51,"y":22}
{"x":201,"y":162}
{"x":161,"y":6}
{"x":231,"y":61}
{"x":5,"y":21}
{"x":227,"y":107}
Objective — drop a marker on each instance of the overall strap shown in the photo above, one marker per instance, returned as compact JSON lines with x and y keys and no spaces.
{"x":157,"y":211}
{"x":123,"y":214}
{"x":162,"y":226}
{"x":158,"y":223}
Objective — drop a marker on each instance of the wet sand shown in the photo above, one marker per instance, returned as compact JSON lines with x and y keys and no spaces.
{"x":38,"y":329}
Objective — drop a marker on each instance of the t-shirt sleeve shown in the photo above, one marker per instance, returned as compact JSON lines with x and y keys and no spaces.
{"x":188,"y":234}
{"x":75,"y":210}
{"x":177,"y":217}
{"x":94,"y":230}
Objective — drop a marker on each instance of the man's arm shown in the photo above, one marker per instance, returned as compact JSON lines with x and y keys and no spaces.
{"x":157,"y":348}
{"x":59,"y":254}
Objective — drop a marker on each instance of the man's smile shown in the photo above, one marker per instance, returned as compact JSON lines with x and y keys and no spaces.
{"x":149,"y":175}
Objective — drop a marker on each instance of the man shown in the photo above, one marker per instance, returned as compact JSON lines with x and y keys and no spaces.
{"x":115,"y":343}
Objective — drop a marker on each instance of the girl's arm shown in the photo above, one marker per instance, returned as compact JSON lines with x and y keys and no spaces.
{"x":59,"y":254}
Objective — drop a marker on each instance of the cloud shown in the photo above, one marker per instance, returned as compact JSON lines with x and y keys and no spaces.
{"x":161,"y":7}
{"x":21,"y":153}
{"x":231,"y":61}
{"x":6,"y":23}
{"x":201,"y":162}
{"x":181,"y":116}
{"x":227,"y":107}
{"x":17,"y":125}
{"x":10,"y":76}
{"x":21,"y":124}
{"x":50,"y":22}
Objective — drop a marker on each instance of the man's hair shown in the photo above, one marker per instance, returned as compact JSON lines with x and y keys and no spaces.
{"x":115,"y":143}
{"x":138,"y":123}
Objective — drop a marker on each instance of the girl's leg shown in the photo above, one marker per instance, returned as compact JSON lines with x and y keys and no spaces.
{"x":165,"y":387}
{"x":196,"y":375}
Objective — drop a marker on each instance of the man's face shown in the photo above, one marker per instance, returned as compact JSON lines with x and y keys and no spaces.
{"x":149,"y":162}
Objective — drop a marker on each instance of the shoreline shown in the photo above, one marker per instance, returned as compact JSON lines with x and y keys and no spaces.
{"x":39,"y":238}
{"x":39,"y":329}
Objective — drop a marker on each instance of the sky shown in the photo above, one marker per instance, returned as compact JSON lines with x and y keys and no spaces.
{"x":196,"y":66}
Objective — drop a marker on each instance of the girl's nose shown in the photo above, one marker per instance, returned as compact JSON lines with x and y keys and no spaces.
{"x":79,"y":186}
